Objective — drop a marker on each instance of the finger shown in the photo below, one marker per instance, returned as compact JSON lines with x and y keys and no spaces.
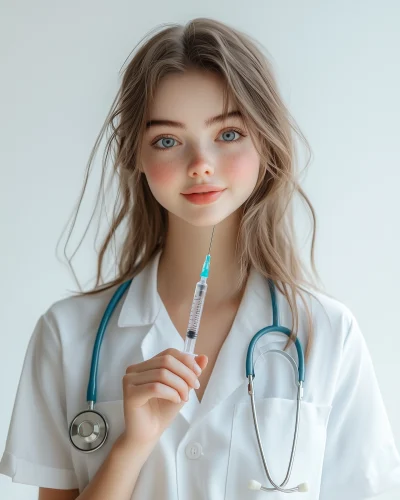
{"x":182,"y":364}
{"x":164,"y":376}
{"x":202,"y":361}
{"x":139,"y":395}
{"x":184,"y":357}
{"x":152,"y":363}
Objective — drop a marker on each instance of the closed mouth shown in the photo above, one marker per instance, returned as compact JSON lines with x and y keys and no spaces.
{"x":202,"y":189}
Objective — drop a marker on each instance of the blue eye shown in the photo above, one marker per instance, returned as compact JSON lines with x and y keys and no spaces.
{"x":164,"y":138}
{"x":168,"y":140}
{"x":230,"y":132}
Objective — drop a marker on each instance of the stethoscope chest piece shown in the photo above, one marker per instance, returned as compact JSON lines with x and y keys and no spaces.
{"x":88,"y":431}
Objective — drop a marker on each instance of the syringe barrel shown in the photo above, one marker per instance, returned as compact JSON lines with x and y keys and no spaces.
{"x":197,"y":309}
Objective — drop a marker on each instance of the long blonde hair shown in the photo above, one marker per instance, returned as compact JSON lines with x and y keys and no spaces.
{"x":266,"y":237}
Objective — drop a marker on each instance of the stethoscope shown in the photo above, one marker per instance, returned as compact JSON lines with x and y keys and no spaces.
{"x":88,"y":431}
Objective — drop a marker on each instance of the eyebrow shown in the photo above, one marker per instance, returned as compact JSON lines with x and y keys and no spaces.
{"x":207,"y":123}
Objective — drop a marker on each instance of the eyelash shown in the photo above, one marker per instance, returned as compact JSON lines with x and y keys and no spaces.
{"x":167,"y":136}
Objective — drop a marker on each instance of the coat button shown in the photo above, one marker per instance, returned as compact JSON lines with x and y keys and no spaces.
{"x":194,"y":451}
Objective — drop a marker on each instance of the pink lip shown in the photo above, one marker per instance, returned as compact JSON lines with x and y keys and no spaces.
{"x":203,"y":198}
{"x":203,"y":188}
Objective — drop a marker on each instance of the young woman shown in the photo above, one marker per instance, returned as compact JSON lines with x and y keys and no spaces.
{"x":199,"y":108}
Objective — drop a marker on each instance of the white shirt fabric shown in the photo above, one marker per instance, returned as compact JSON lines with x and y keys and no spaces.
{"x":345,"y":446}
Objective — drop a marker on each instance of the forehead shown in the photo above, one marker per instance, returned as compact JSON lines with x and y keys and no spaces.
{"x":191,"y":96}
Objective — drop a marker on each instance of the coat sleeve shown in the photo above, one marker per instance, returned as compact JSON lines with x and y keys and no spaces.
{"x":37,"y":448}
{"x":361,"y":460}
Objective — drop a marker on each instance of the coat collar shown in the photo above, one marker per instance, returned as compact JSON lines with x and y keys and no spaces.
{"x":142,"y":302}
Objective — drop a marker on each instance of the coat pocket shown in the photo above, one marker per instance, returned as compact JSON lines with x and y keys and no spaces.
{"x":276,"y":421}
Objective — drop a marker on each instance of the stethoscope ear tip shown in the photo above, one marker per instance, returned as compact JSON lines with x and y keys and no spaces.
{"x":254,"y":485}
{"x":303,"y":487}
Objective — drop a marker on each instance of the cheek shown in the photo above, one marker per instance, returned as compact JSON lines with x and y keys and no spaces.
{"x":159,"y":175}
{"x":243,"y":168}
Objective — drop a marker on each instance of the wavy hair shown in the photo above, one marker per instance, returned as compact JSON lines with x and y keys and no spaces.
{"x":266,"y":237}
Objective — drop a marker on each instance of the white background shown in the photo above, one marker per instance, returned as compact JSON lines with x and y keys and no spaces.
{"x":337,"y":68}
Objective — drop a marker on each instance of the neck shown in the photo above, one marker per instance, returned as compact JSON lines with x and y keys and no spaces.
{"x":183,"y":256}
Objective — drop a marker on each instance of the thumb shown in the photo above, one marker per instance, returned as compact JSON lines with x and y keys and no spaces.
{"x":201,"y":360}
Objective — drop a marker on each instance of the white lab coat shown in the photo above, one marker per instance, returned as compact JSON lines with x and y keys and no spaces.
{"x":345,"y":447}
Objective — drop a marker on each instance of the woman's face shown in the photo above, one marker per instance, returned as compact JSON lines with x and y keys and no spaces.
{"x":178,"y":157}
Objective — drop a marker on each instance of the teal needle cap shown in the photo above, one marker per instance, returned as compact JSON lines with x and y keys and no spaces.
{"x":206,"y":267}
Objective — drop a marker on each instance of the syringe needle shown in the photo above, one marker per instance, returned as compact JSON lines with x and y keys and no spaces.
{"x":212,"y":236}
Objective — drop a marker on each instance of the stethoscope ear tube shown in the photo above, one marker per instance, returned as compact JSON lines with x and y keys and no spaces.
{"x":250,"y":374}
{"x":277,"y":329}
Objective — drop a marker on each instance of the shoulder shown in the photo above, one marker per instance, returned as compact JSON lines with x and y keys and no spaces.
{"x":333,"y":320}
{"x":334,"y":310}
{"x":76,"y":314}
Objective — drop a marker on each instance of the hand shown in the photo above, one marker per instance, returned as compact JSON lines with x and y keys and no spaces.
{"x":154,"y":392}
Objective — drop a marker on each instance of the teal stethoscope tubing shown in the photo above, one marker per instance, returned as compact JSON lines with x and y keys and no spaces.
{"x":275,"y":327}
{"x":91,"y":394}
{"x":89,"y":429}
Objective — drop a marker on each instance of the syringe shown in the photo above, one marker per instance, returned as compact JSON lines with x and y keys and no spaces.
{"x":197,"y":305}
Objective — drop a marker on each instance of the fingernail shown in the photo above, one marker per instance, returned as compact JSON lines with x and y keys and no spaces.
{"x":196,"y":384}
{"x":197,"y":369}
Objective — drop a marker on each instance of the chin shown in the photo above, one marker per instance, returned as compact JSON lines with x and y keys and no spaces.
{"x":205,"y":218}
{"x":203,"y":221}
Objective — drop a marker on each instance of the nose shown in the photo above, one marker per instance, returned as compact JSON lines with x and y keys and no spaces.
{"x":200,"y":168}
